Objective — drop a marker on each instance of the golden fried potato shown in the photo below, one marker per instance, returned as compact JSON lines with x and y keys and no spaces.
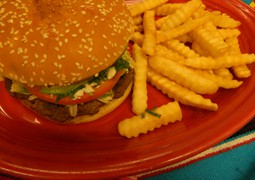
{"x":137,"y":20}
{"x":143,"y":6}
{"x":181,"y":15}
{"x":185,"y":28}
{"x":241,"y":71}
{"x":167,"y":9}
{"x":223,"y":72}
{"x":139,"y":100}
{"x":178,"y":92}
{"x":141,"y":124}
{"x":229,"y":33}
{"x":209,"y":41}
{"x":223,"y":82}
{"x":149,"y":27}
{"x":137,"y":38}
{"x":225,"y":61}
{"x":181,"y":48}
{"x":183,"y":75}
{"x":168,"y":53}
{"x":225,"y":21}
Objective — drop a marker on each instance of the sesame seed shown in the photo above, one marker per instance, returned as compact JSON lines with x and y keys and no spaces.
{"x":60,"y":43}
{"x":45,"y":56}
{"x":66,"y":40}
{"x":57,"y":48}
{"x":80,"y":52}
{"x":67,"y":30}
{"x":12,"y":51}
{"x":33,"y":64}
{"x":25,"y":57}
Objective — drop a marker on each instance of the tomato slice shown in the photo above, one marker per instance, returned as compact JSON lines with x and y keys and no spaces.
{"x":98,"y":91}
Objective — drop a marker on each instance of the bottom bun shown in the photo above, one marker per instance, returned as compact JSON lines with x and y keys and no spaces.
{"x":106,"y":109}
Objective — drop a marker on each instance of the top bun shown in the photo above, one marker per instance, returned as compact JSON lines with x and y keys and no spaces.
{"x":59,"y":42}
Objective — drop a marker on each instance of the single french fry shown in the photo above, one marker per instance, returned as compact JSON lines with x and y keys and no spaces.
{"x":199,"y":49}
{"x":149,"y":27}
{"x":181,"y":48}
{"x":138,"y":28}
{"x":143,"y":6}
{"x":225,"y":21}
{"x":223,"y":82}
{"x":137,"y":38}
{"x":185,"y":38}
{"x":160,"y":21}
{"x":137,"y":20}
{"x":241,"y":71}
{"x":223,"y":72}
{"x":168,"y":53}
{"x":229,"y":33}
{"x":142,"y":124}
{"x":182,"y":29}
{"x":1,"y":77}
{"x":183,"y":75}
{"x":206,"y":39}
{"x":178,"y":92}
{"x":139,"y":100}
{"x":167,"y":9}
{"x":226,"y":61}
{"x":181,"y":15}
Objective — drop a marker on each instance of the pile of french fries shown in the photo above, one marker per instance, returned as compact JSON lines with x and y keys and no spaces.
{"x":185,"y":51}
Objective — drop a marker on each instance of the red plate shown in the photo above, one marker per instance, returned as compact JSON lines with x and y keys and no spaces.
{"x":31,"y":146}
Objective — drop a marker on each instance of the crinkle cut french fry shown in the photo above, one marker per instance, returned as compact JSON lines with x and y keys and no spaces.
{"x":226,"y":61}
{"x":223,"y":72}
{"x":181,"y":48}
{"x":225,"y":21}
{"x":215,"y":45}
{"x":137,"y":20}
{"x":138,"y":28}
{"x":241,"y":71}
{"x":137,"y":38}
{"x":199,"y":49}
{"x":136,"y":125}
{"x":229,"y":33}
{"x":143,"y":6}
{"x":149,"y":26}
{"x":185,"y":38}
{"x":168,"y":53}
{"x":223,"y":82}
{"x":178,"y":92}
{"x":183,"y":75}
{"x":167,"y":9}
{"x":139,"y":100}
{"x":185,"y":28}
{"x":181,"y":15}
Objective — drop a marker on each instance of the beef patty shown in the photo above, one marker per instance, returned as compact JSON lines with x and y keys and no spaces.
{"x":61,"y":113}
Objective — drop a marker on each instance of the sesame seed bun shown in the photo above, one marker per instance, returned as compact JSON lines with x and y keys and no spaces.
{"x":60,"y":42}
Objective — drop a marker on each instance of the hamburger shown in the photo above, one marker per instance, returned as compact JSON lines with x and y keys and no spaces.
{"x":66,"y":60}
